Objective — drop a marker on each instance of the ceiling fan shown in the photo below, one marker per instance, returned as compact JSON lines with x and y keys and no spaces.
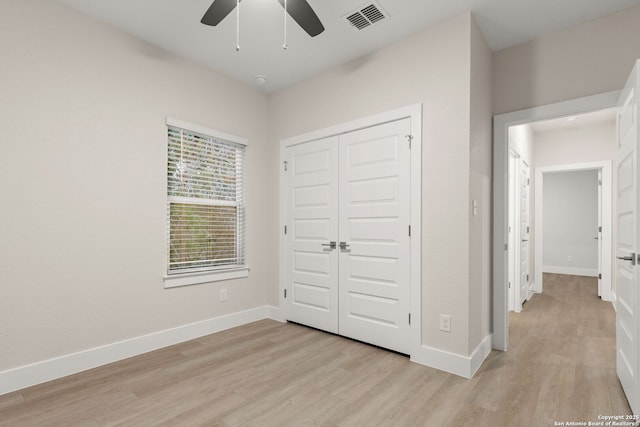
{"x":299,"y":10}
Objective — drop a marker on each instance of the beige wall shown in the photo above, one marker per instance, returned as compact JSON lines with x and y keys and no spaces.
{"x":588,"y":59}
{"x":433,"y":67}
{"x":480,"y":189}
{"x":580,"y":144}
{"x":82,"y":178}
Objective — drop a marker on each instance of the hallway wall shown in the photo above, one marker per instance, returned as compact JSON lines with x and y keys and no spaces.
{"x":587,"y":59}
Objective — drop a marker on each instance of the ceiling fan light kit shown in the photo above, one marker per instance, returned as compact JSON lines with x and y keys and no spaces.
{"x":299,"y":10}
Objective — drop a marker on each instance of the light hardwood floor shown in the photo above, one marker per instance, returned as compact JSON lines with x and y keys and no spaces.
{"x":560,"y":367}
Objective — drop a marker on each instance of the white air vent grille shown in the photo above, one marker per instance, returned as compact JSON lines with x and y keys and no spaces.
{"x":366,"y":16}
{"x":372,"y":13}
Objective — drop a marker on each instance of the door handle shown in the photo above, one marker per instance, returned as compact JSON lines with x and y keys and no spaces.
{"x":331,"y":245}
{"x":631,"y":258}
{"x":525,"y":240}
{"x":344,"y":246}
{"x":596,"y":238}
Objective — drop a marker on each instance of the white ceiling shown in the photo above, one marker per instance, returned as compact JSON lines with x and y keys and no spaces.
{"x":175,"y":26}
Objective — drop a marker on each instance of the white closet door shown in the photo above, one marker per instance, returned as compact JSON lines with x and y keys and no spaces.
{"x":311,"y":264}
{"x":374,"y":231}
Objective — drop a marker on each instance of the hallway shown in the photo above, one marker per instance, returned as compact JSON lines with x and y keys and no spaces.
{"x":562,"y":352}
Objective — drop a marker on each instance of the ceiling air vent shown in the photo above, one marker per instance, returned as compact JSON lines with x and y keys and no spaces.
{"x":366,"y":16}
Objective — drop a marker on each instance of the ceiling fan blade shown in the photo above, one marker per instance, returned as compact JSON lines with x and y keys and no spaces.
{"x":303,"y":14}
{"x":218,"y":10}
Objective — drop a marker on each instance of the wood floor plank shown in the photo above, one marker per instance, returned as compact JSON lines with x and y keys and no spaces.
{"x":11,"y":399}
{"x":560,"y":367}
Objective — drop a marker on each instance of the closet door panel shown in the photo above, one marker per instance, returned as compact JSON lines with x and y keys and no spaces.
{"x":374,"y":182}
{"x":311,"y":264}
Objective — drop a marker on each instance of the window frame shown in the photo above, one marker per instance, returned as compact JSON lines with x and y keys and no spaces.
{"x":198,"y":275}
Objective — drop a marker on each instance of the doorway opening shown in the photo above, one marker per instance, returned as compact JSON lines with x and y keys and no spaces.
{"x":573,"y":227}
{"x":512,"y":130}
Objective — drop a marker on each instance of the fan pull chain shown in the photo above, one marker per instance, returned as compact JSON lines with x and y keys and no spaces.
{"x":238,"y":26}
{"x":284,"y":45}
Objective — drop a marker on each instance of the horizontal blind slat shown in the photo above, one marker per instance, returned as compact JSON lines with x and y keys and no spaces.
{"x":205,"y":189}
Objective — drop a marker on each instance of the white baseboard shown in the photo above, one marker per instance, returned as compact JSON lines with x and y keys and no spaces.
{"x":47,"y":370}
{"x":589,"y":272}
{"x":464,"y":366}
{"x":275,"y":313}
{"x":51,"y":369}
{"x":531,"y":291}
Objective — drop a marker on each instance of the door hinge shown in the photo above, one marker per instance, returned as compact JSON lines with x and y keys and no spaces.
{"x":527,"y":278}
{"x":600,"y":229}
{"x":285,"y":229}
{"x":285,"y":164}
{"x":599,"y":275}
{"x":285,"y":293}
{"x":599,"y":182}
{"x":527,"y":229}
{"x":509,"y":285}
{"x":409,"y":138}
{"x":409,"y":231}
{"x":528,"y":181}
{"x":409,"y":318}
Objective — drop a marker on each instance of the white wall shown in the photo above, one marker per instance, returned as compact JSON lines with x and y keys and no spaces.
{"x":582,"y":143}
{"x":434,"y":67}
{"x":584,"y":60}
{"x":82,"y":178}
{"x":521,"y":141}
{"x":480,"y":189}
{"x":570,"y":214}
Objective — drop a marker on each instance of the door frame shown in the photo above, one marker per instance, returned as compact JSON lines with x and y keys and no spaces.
{"x":605,"y":207}
{"x":513,"y":268}
{"x":501,"y":124}
{"x":414,"y":113}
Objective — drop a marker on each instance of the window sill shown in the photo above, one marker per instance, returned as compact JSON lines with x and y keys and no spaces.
{"x":186,"y":279}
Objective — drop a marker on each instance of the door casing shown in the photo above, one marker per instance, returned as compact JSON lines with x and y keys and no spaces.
{"x":501,"y":125}
{"x":606,"y":209}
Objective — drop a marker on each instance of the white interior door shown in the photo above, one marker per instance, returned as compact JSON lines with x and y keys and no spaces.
{"x":524,"y":222}
{"x":374,"y":235}
{"x":312,"y":264}
{"x":512,"y":227}
{"x":626,"y":217}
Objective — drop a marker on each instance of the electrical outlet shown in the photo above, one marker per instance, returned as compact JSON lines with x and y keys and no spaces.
{"x":223,"y":295}
{"x":445,"y":323}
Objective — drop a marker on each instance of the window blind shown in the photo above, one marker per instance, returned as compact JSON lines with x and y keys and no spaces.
{"x":205,"y":202}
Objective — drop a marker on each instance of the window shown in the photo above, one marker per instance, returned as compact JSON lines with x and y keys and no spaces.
{"x":205,"y":205}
